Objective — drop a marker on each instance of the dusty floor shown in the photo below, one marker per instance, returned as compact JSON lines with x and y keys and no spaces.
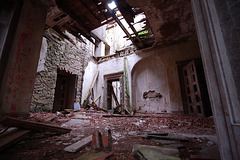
{"x":126,"y":132}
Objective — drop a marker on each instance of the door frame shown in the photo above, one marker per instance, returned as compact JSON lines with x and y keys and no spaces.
{"x":112,"y":77}
{"x":70,"y":93}
{"x":219,"y":77}
{"x":195,"y":107}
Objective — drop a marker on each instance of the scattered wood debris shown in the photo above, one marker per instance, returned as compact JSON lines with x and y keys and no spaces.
{"x":95,"y":156}
{"x":164,"y":136}
{"x":10,"y":138}
{"x":85,"y":102}
{"x":97,"y":108}
{"x":126,"y":131}
{"x":78,"y":145}
{"x":116,"y":110}
{"x":35,"y":126}
{"x":204,"y":157}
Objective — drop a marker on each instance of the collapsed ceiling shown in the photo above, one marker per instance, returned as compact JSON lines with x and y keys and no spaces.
{"x":167,"y":22}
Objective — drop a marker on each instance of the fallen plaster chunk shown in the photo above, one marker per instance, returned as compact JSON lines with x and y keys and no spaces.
{"x":78,"y":145}
{"x":155,"y":152}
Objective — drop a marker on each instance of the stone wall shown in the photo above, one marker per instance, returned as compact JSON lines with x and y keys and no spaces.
{"x":63,"y":55}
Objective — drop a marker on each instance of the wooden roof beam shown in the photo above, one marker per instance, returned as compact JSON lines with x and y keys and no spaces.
{"x":85,"y":5}
{"x":121,"y":25}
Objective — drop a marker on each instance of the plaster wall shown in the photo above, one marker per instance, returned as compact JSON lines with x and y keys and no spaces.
{"x":101,"y":33}
{"x":89,"y":75}
{"x":19,"y":78}
{"x":159,"y":74}
{"x":158,"y":69}
{"x":150,"y":74}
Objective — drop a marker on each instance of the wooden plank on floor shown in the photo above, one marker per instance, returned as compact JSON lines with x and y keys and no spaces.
{"x":95,"y":156}
{"x":78,"y":145}
{"x":165,"y":137}
{"x":35,"y":126}
{"x":204,"y":157}
{"x":12,"y":138}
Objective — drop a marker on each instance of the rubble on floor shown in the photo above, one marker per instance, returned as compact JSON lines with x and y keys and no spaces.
{"x":190,"y":135}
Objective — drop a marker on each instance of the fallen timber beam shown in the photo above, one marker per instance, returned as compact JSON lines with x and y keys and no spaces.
{"x":117,"y":108}
{"x":114,"y":95}
{"x":137,"y":116}
{"x":97,"y":108}
{"x":85,"y":102}
{"x":12,"y":138}
{"x":34,"y":126}
{"x":78,"y":145}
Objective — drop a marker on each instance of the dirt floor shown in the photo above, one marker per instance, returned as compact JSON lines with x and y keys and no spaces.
{"x":126,"y":132}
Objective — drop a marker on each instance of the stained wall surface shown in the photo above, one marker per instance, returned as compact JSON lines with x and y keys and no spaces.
{"x":150,"y":69}
{"x":24,"y":54}
{"x":159,"y":72}
{"x":150,"y":76}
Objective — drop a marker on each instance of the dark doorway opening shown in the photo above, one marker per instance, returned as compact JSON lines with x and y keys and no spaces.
{"x":194,"y":91}
{"x":114,"y":90}
{"x":65,"y":91}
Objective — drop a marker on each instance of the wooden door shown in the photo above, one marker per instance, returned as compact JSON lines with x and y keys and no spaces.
{"x":64,"y":92}
{"x":60,"y":97}
{"x":194,"y":100}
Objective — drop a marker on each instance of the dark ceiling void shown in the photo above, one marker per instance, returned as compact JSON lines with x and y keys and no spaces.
{"x":80,"y":17}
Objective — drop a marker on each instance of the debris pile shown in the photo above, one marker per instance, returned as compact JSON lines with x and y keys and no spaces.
{"x":90,"y":136}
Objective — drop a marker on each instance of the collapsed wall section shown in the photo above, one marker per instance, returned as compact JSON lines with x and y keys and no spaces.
{"x":60,"y":55}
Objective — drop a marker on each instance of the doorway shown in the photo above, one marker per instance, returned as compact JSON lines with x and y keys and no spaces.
{"x":114,"y":90}
{"x":65,"y":91}
{"x":194,"y":91}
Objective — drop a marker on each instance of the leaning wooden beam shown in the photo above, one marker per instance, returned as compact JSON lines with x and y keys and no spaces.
{"x":97,"y":108}
{"x":95,"y":100}
{"x":12,"y":138}
{"x":137,"y":116}
{"x":85,"y":102}
{"x":117,"y":108}
{"x":35,"y":126}
{"x":114,"y":95}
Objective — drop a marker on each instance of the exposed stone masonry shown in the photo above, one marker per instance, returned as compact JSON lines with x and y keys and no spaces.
{"x":63,"y":55}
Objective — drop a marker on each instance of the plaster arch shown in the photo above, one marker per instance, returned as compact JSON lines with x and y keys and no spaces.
{"x":150,"y":74}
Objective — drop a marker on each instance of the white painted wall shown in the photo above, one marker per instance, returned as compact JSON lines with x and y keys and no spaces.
{"x":89,"y":74}
{"x":42,"y":55}
{"x":150,"y":74}
{"x":162,"y":75}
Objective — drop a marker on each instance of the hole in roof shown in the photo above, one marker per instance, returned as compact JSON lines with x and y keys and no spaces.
{"x":112,"y":5}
